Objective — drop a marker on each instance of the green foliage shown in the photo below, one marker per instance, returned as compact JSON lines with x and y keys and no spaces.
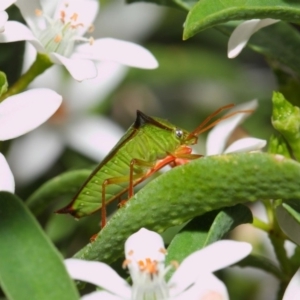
{"x":208,"y":13}
{"x":205,"y":196}
{"x":265,"y":42}
{"x":263,"y":263}
{"x":182,"y":4}
{"x":3,"y":83}
{"x":277,"y":145}
{"x":201,"y":186}
{"x":30,"y":266}
{"x":62,"y":186}
{"x":206,"y":229}
{"x":286,"y":119}
{"x":288,"y":215}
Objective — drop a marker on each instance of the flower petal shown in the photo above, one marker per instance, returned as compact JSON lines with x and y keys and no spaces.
{"x":242,"y":33}
{"x":207,"y":260}
{"x":102,"y":295}
{"x":24,"y":112}
{"x":16,"y":31}
{"x":84,"y":95}
{"x":206,"y":287}
{"x":85,"y":11}
{"x":246,"y":145}
{"x":3,"y":19}
{"x":218,"y":136}
{"x":293,"y":290}
{"x":98,"y":274}
{"x":92,"y":136}
{"x":145,"y":244}
{"x":33,"y":154}
{"x":134,"y":22}
{"x":28,"y":11}
{"x":79,"y":69}
{"x":123,"y":52}
{"x":4,"y":4}
{"x":7,"y":182}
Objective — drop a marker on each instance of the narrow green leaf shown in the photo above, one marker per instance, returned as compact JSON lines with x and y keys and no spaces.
{"x":193,"y":189}
{"x":206,"y":229}
{"x":64,"y":185}
{"x":294,"y":213}
{"x":30,"y":266}
{"x":208,"y":13}
{"x":288,"y":217}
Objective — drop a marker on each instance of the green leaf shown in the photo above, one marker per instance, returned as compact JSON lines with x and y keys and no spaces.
{"x":288,"y":217}
{"x":208,"y":13}
{"x":206,"y":229}
{"x":263,"y":263}
{"x":64,"y":185}
{"x":183,"y":4}
{"x":277,"y":145}
{"x":193,"y":189}
{"x":3,"y":83}
{"x":30,"y":266}
{"x":265,"y":42}
{"x":295,"y":258}
{"x":286,"y":119}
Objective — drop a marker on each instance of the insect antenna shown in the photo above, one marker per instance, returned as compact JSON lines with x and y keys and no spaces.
{"x":202,"y":128}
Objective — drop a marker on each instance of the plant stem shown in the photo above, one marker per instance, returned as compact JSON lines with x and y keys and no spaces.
{"x":277,"y":239}
{"x":41,"y":64}
{"x":261,"y":225}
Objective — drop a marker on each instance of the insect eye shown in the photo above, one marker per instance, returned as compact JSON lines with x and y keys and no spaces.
{"x":178,"y":133}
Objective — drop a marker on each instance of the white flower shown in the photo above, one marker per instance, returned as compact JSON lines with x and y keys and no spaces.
{"x":4,"y":4}
{"x":7,"y":182}
{"x":91,"y":135}
{"x":242,"y":33}
{"x":292,"y":292}
{"x":145,"y":258}
{"x":59,"y":24}
{"x":20,"y":114}
{"x":219,"y":135}
{"x":72,"y":126}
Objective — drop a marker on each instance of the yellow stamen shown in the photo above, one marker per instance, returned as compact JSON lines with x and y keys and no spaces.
{"x":163,"y":251}
{"x":91,"y":28}
{"x":62,"y":16}
{"x":149,"y":266}
{"x":58,"y":38}
{"x":38,"y":12}
{"x":74,"y":17}
{"x":91,"y":40}
{"x":126,"y":262}
{"x":175,"y":264}
{"x":77,"y":25}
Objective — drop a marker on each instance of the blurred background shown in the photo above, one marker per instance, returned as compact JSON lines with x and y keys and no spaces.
{"x":194,"y":78}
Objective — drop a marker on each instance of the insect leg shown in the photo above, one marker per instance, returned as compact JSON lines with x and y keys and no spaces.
{"x":106,"y":182}
{"x":183,"y":155}
{"x":136,"y":162}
